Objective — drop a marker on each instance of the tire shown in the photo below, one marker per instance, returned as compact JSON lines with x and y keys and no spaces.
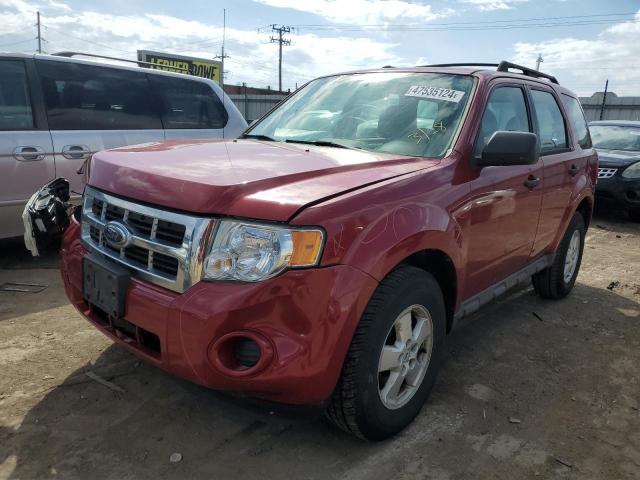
{"x":357,"y":404}
{"x":552,"y":282}
{"x":634,"y":214}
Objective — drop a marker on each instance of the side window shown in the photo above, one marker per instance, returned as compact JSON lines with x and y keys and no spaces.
{"x":574,"y":109}
{"x":188,"y":104}
{"x":15,"y":103}
{"x":87,"y":97}
{"x":506,"y":110}
{"x":550,"y":123}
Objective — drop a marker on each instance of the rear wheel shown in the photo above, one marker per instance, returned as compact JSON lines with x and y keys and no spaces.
{"x":394,"y":357}
{"x":558,"y":280}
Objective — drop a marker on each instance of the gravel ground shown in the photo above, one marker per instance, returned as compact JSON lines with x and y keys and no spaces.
{"x":531,"y":389}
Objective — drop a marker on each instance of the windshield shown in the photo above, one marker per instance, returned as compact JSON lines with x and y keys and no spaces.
{"x":613,"y":137}
{"x":401,"y":113}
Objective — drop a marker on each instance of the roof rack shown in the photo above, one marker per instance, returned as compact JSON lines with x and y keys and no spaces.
{"x":137,"y":62}
{"x":503,"y":66}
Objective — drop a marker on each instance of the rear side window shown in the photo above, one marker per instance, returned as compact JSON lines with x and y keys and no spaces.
{"x":506,"y":110}
{"x":87,"y":97}
{"x":15,"y":104}
{"x":188,"y":104}
{"x":550,"y":123}
{"x":574,"y":109}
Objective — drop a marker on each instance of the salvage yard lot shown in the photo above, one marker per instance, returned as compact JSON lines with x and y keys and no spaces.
{"x":531,"y":389}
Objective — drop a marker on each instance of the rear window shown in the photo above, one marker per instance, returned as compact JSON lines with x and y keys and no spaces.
{"x":15,"y":104}
{"x":573,"y":108}
{"x":87,"y":97}
{"x":188,"y":104}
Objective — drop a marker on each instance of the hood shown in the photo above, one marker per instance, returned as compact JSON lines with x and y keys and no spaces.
{"x":243,"y":178}
{"x":617,"y":158}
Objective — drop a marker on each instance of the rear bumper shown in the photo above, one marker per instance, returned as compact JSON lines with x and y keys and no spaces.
{"x":303,"y":321}
{"x":619,"y":190}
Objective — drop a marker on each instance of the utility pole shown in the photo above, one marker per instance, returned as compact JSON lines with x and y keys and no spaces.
{"x":223,"y":56}
{"x":39,"y":36}
{"x":539,"y":60}
{"x":604,"y":98}
{"x":280,"y":41}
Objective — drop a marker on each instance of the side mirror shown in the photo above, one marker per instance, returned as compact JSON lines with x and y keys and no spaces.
{"x":509,"y":148}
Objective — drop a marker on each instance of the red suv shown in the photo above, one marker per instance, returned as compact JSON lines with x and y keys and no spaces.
{"x":324,"y":257}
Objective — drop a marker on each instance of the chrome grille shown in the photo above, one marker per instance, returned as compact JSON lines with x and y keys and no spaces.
{"x":165,"y":248}
{"x":606,"y":172}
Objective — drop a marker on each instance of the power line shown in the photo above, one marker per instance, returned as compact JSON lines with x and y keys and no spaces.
{"x":280,"y":41}
{"x":16,"y":43}
{"x":67,"y":34}
{"x":475,"y":22}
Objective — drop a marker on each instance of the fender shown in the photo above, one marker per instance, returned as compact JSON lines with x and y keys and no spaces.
{"x":582,"y":189}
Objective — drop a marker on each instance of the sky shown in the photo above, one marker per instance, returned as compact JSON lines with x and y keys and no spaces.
{"x":582,"y":42}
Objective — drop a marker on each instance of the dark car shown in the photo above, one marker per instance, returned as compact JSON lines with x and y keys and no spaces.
{"x":618,"y":146}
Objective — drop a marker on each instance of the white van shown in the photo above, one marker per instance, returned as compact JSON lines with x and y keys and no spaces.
{"x":55,"y":111}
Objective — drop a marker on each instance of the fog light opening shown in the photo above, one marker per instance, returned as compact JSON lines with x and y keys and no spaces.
{"x":241,"y":353}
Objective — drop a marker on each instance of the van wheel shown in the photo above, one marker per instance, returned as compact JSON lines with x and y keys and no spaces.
{"x":394,"y":357}
{"x":557,"y":280}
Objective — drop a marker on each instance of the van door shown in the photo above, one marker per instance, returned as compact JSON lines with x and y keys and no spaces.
{"x":92,"y":108}
{"x":189,"y":108}
{"x":26,"y":151}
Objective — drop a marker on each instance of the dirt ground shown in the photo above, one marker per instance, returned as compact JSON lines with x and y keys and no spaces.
{"x":531,"y":389}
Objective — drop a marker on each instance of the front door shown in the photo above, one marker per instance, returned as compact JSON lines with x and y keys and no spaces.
{"x":504,"y":206}
{"x":26,"y":152}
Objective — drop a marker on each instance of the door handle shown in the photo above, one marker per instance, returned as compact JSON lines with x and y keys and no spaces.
{"x":532,"y":182}
{"x":75,"y":152}
{"x":28,"y":154}
{"x":573,"y":170}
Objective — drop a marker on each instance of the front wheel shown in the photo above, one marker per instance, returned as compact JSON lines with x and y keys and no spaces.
{"x":394,"y":357}
{"x":558,"y":280}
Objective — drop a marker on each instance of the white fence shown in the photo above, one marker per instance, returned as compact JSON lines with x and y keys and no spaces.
{"x":254,"y":106}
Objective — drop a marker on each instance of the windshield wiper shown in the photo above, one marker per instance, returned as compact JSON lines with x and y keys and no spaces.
{"x":266,"y":138}
{"x":319,"y":143}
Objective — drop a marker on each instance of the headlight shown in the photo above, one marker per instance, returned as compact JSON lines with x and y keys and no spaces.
{"x":633,"y":171}
{"x":251,"y":252}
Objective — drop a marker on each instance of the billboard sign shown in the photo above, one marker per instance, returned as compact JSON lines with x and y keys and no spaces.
{"x":199,"y":67}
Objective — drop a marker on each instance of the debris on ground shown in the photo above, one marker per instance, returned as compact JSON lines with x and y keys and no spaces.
{"x":613,"y":285}
{"x":104,"y":382}
{"x":601,"y":227}
{"x":22,"y":287}
{"x":514,"y":420}
{"x":175,"y":457}
{"x":537,"y":316}
{"x":563,"y":462}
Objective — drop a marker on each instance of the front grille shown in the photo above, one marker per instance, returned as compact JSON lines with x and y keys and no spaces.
{"x":606,"y":172}
{"x":163,"y":247}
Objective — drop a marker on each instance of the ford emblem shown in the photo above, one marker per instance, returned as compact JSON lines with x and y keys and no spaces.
{"x":116,"y":234}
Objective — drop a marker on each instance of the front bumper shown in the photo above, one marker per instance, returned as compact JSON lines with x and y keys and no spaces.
{"x":304,"y":319}
{"x":619,"y":190}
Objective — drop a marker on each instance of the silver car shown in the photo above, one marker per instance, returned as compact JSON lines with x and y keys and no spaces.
{"x":56,"y":111}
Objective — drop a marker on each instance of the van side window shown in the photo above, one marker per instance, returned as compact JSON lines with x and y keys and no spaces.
{"x":506,"y":110}
{"x":87,"y":97}
{"x":550,"y":123}
{"x":15,"y":103}
{"x":574,"y":110}
{"x":188,"y":104}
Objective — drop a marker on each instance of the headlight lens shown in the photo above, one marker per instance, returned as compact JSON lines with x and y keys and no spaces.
{"x":633,"y":171}
{"x":252,"y":252}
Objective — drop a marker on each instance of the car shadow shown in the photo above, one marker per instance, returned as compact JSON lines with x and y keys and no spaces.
{"x":129,"y":426}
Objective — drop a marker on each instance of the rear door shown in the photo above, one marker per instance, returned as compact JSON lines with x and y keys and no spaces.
{"x":26,"y":151}
{"x":92,"y":108}
{"x":563,"y":162}
{"x":189,"y":108}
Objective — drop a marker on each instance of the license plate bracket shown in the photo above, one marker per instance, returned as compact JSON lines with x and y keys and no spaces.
{"x":104,"y":285}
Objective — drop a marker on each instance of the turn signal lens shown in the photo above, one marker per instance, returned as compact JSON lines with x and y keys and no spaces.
{"x":306,"y":247}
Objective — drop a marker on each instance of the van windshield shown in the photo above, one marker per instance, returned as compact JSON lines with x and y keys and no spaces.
{"x":614,"y":137}
{"x":403,"y":113}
